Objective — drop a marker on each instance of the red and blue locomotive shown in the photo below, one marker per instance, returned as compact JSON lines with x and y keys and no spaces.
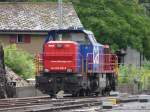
{"x":73,"y":61}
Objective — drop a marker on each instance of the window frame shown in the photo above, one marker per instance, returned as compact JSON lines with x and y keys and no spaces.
{"x":23,"y":39}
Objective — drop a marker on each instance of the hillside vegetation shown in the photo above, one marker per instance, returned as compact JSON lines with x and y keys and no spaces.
{"x":133,"y":75}
{"x":19,"y":61}
{"x":120,"y":23}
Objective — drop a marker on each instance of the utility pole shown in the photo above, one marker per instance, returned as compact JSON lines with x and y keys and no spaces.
{"x":60,"y":15}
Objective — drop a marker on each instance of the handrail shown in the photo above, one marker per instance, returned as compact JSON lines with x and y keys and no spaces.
{"x":39,"y":61}
{"x":108,"y":63}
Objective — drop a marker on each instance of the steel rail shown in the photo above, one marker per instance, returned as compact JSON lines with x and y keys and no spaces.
{"x":31,"y":105}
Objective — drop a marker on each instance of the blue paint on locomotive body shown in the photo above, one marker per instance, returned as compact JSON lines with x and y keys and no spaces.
{"x":97,"y":57}
{"x":89,"y":54}
{"x":92,"y":54}
{"x":92,"y":57}
{"x":85,"y":50}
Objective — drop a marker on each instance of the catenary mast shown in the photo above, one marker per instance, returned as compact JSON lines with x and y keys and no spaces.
{"x":60,"y":15}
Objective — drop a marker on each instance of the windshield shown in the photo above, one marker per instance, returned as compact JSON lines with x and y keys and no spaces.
{"x":77,"y":37}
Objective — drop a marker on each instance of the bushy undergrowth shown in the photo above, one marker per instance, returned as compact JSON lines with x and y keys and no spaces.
{"x":19,"y":61}
{"x":134,"y":75}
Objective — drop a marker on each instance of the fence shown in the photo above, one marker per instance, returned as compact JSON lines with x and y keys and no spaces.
{"x":28,"y":91}
{"x":128,"y":88}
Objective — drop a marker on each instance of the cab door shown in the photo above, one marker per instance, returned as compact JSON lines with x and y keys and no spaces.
{"x":86,"y":51}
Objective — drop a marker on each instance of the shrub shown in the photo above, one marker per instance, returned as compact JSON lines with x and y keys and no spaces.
{"x":133,"y":75}
{"x":19,"y":61}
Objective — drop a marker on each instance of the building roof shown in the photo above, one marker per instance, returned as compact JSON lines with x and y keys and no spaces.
{"x":30,"y":16}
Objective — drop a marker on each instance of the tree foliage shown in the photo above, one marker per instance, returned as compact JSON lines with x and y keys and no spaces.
{"x":132,"y":75}
{"x":119,"y":23}
{"x":19,"y":61}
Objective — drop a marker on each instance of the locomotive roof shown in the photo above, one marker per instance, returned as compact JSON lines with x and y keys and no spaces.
{"x":71,"y":30}
{"x":61,"y":42}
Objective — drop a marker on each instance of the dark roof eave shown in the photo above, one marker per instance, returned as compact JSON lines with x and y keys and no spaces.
{"x":24,"y":31}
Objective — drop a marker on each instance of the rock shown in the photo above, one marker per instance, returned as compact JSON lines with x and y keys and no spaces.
{"x":60,"y":94}
{"x":13,"y":77}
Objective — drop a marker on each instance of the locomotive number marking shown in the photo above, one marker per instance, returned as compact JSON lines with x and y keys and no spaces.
{"x":58,"y":68}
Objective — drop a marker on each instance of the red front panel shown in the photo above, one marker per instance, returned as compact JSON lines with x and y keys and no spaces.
{"x":60,"y":56}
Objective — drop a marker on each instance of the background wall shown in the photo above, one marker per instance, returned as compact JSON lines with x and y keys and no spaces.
{"x":34,"y":46}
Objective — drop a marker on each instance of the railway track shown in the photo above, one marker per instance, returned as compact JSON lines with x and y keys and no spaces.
{"x":67,"y":104}
{"x":46,"y":104}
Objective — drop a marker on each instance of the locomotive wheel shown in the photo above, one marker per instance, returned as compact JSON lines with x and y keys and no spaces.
{"x":52,"y":95}
{"x":82,"y":92}
{"x":88,"y":92}
{"x":2,"y":92}
{"x":104,"y":93}
{"x":77,"y":94}
{"x":97,"y":93}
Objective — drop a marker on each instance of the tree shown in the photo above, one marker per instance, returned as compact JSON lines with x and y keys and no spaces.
{"x":120,"y":23}
{"x":19,"y":61}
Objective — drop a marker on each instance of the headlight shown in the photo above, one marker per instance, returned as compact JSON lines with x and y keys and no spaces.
{"x":46,"y":70}
{"x":69,"y":70}
{"x":59,"y":45}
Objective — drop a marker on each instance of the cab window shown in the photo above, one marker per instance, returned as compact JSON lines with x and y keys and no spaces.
{"x":77,"y":37}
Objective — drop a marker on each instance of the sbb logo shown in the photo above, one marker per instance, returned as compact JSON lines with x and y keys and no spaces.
{"x":96,"y":55}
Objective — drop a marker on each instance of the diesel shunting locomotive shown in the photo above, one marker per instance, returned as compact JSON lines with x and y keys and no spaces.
{"x":73,"y":61}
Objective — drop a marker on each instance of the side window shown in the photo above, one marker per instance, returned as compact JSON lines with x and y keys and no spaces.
{"x":63,"y":37}
{"x":92,"y":38}
{"x":66,"y":36}
{"x":20,"y":38}
{"x":80,"y":38}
